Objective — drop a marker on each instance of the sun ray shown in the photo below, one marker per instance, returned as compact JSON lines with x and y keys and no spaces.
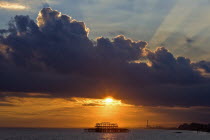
{"x":172,"y":21}
{"x":198,"y":22}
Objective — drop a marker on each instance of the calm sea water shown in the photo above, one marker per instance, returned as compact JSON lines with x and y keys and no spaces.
{"x":79,"y":134}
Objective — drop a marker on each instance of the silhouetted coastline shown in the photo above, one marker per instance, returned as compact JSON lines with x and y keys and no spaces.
{"x":195,"y":127}
{"x":185,"y":126}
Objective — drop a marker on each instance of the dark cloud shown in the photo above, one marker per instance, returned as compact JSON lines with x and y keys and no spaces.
{"x":120,"y":49}
{"x":24,"y":94}
{"x":6,"y":104}
{"x":56,"y":56}
{"x":172,"y":70}
{"x":205,"y":65}
{"x":192,"y":114}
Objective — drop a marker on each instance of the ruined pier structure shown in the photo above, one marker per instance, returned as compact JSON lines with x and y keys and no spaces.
{"x":107,"y":127}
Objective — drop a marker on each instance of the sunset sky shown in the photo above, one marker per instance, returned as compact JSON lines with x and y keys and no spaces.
{"x":73,"y":63}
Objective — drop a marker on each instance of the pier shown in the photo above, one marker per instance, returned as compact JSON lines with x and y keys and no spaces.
{"x":107,"y":127}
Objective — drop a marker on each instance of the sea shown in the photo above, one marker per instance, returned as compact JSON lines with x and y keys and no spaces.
{"x":79,"y":134}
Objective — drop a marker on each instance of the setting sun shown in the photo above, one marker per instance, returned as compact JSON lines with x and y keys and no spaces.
{"x":109,"y":100}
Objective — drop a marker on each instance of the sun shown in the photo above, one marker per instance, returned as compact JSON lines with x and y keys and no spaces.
{"x":109,"y":100}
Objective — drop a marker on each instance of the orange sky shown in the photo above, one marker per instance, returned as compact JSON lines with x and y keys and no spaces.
{"x":80,"y":113}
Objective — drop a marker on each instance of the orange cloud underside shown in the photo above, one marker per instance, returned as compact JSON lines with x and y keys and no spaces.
{"x":59,"y":112}
{"x":76,"y":112}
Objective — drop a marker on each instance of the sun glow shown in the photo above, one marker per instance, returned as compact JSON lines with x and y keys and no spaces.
{"x":109,"y":100}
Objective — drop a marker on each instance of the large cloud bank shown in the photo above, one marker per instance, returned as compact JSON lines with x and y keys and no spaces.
{"x":56,"y":56}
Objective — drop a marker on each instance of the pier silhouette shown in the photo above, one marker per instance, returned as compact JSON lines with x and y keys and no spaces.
{"x":107,"y":127}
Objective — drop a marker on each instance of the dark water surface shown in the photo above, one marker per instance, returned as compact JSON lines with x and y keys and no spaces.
{"x":79,"y":134}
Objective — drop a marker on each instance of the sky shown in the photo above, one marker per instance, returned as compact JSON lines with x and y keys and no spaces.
{"x":175,"y":24}
{"x":61,"y":60}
